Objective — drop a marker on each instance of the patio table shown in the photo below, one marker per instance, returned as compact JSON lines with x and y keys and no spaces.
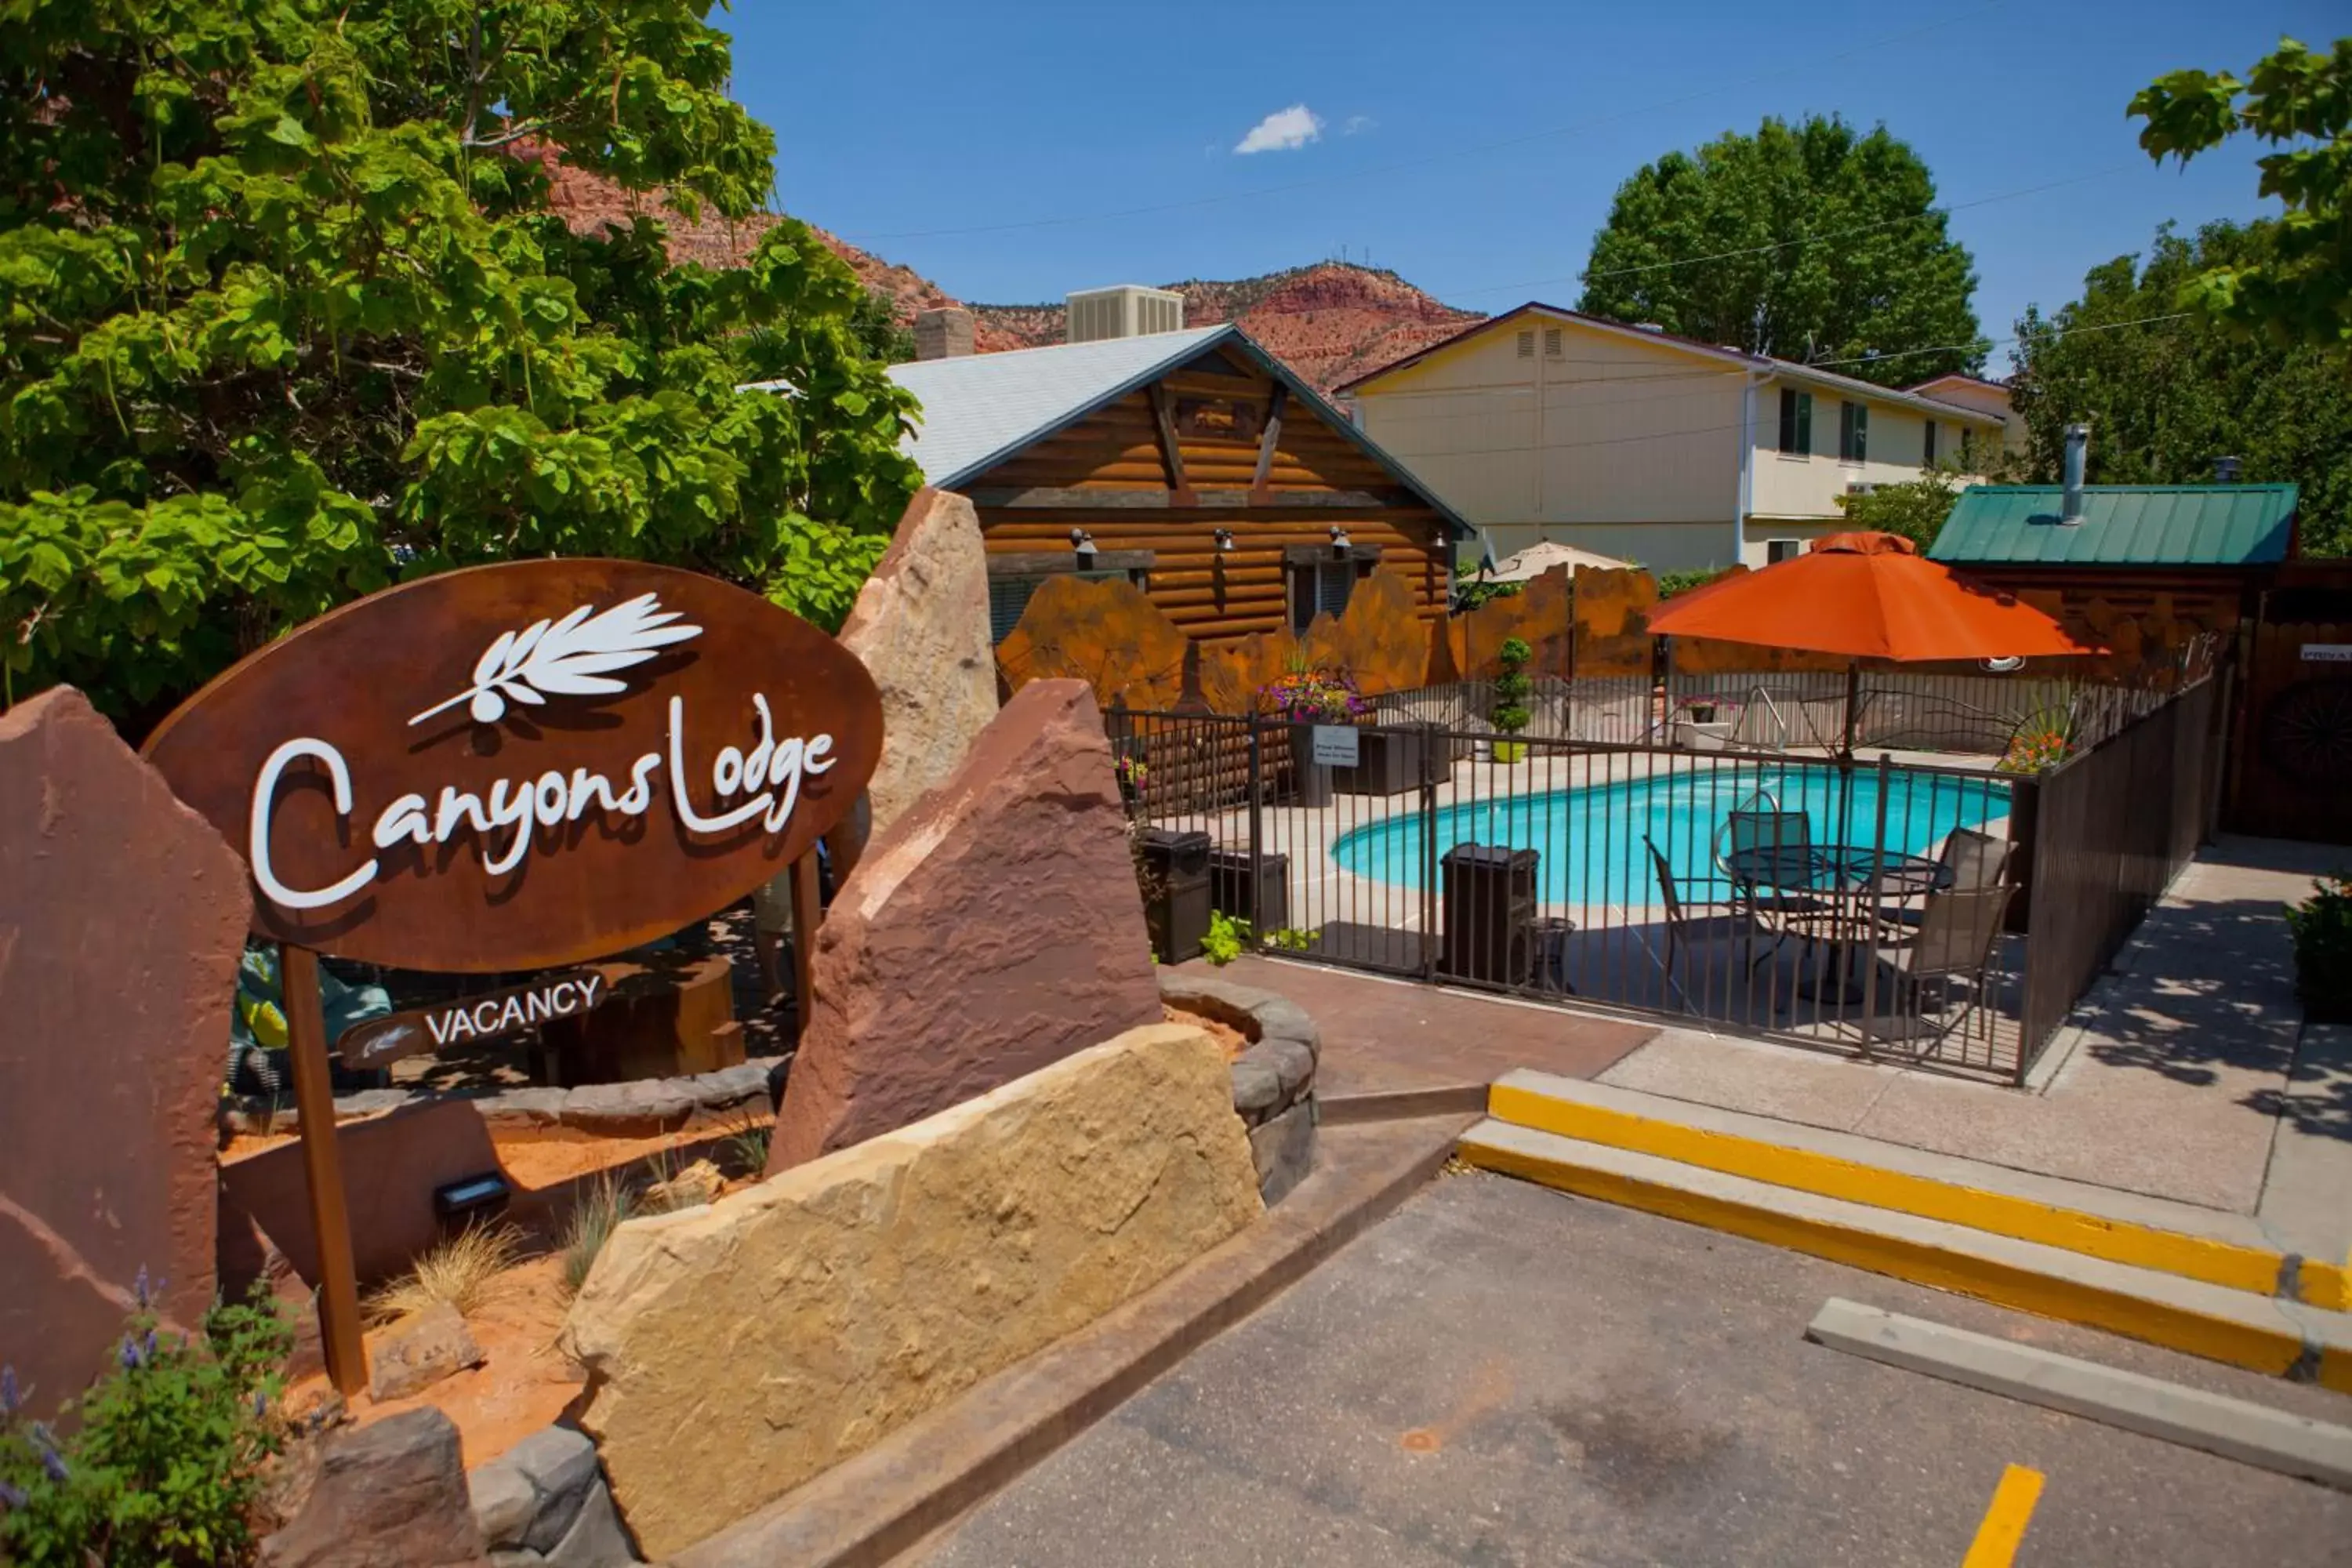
{"x":1841,"y":874}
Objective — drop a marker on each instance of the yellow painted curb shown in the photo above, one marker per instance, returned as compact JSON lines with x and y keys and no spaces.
{"x":2249,"y":1268}
{"x":2327,"y":1285}
{"x":2274,"y":1351}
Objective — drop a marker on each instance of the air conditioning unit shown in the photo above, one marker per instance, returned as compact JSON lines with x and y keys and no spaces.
{"x":1860,"y":488}
{"x":1125,"y":310}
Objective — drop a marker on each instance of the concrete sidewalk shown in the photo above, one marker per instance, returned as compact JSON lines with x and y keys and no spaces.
{"x":2179,"y":1076}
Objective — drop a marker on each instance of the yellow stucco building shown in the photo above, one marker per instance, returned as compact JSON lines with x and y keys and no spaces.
{"x":1544,"y":423}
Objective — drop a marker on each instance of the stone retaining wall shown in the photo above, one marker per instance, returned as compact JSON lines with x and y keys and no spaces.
{"x":1274,"y":1080}
{"x":635,"y":1109}
{"x":545,"y":1501}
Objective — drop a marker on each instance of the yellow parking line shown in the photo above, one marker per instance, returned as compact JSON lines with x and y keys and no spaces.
{"x":2005,"y":1520}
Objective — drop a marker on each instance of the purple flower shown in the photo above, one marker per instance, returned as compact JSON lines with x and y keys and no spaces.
{"x":260,"y":1403}
{"x":139,"y":1287}
{"x":130,"y":1356}
{"x":54,"y":1462}
{"x":11,"y":1399}
{"x":151,"y":1344}
{"x":12,"y":1496}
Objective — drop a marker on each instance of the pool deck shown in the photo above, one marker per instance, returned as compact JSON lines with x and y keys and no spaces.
{"x":1615,"y":956}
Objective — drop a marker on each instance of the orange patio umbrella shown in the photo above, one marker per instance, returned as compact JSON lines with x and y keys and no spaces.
{"x":1867,"y":596}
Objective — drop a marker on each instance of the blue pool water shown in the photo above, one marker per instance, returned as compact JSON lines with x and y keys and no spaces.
{"x":1589,"y":840}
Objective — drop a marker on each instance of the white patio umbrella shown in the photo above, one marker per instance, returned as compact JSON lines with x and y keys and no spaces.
{"x":1540,"y":558}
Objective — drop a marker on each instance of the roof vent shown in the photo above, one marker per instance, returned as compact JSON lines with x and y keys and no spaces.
{"x":2225,"y":470}
{"x":1125,"y":310}
{"x":1648,"y":327}
{"x":2078,"y":449}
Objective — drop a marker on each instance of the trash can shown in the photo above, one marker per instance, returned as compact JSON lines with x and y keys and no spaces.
{"x":1229,"y":889}
{"x":1176,"y":901}
{"x":1489,"y":899}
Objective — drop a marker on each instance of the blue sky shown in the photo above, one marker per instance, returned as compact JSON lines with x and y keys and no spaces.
{"x":1000,"y":150}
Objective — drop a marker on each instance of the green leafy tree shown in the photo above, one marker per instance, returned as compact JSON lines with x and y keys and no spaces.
{"x":2166,"y":397}
{"x":285,"y":315}
{"x":1808,"y":242}
{"x":2300,"y":290}
{"x":875,"y":326}
{"x":1915,"y":509}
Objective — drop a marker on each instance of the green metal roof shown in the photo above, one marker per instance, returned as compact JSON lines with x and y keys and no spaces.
{"x":2123,"y":525}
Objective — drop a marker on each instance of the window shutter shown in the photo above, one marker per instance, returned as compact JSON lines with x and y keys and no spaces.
{"x":1860,"y":431}
{"x":1805,"y":423}
{"x":1928,"y":458}
{"x":1007,"y":597}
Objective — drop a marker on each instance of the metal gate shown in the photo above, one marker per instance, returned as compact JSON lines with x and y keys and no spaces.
{"x":1772,"y":894}
{"x":2292,"y":777}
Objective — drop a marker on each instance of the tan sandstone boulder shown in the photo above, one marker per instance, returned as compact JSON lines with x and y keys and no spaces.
{"x":920,"y":627}
{"x":736,"y":1351}
{"x":993,"y":928}
{"x":123,"y":916}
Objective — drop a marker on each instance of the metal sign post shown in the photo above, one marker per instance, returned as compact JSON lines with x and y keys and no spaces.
{"x":322,"y":1164}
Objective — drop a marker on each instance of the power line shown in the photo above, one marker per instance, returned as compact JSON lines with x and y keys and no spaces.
{"x":1197,"y":202}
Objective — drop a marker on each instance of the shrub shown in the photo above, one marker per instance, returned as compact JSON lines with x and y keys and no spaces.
{"x":2321,"y":928}
{"x":1227,"y":937}
{"x":458,"y":1271}
{"x":166,"y":1466}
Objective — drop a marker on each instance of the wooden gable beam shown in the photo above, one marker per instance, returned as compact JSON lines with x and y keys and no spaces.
{"x":1171,"y":450}
{"x":1266,"y":442}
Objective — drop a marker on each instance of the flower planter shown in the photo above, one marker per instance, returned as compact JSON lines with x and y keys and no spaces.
{"x":1176,"y":912}
{"x":1510,"y":751}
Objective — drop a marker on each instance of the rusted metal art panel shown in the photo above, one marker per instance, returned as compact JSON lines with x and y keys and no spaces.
{"x":521,"y":766}
{"x":1613,"y":622}
{"x":1538,"y":615}
{"x":1378,"y":639}
{"x":1109,"y":635}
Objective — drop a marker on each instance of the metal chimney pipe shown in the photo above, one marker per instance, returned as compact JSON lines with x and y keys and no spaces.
{"x":2078,"y":444}
{"x":2225,"y":470}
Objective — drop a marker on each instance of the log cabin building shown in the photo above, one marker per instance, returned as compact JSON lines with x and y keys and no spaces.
{"x":1191,"y":462}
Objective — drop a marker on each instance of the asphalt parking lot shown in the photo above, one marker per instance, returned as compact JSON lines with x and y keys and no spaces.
{"x":1503,"y":1374}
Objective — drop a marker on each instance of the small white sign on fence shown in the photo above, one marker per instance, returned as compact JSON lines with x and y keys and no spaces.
{"x":2327,"y":653}
{"x":1335,"y":745}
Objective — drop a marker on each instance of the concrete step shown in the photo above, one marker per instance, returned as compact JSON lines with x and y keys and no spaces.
{"x":2210,"y":1245}
{"x":2221,"y":1324}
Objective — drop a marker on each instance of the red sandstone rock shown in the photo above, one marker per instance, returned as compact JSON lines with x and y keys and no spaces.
{"x":388,"y":1495}
{"x":992,"y":929}
{"x":123,"y":915}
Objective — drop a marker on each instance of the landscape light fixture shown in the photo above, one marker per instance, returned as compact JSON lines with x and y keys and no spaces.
{"x":1224,"y":539}
{"x":1084,"y":544}
{"x":476,"y":1199}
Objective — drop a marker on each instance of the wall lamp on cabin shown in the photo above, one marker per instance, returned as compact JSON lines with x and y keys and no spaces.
{"x":1224,"y":539}
{"x":1339,"y":540}
{"x":1084,"y":544}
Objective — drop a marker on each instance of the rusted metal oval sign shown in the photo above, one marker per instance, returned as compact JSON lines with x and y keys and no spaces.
{"x":524,"y":766}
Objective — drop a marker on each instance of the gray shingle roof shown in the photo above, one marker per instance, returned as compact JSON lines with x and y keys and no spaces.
{"x":978,"y":408}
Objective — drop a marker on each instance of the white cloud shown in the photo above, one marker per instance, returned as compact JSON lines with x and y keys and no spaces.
{"x":1284,"y":130}
{"x":1356,"y":124}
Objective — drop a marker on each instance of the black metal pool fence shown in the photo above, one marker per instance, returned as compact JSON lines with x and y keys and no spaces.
{"x":1875,"y":907}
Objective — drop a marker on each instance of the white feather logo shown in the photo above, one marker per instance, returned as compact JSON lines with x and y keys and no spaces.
{"x":570,"y":658}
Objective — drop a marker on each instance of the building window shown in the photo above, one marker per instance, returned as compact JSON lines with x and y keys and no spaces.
{"x":1967,"y":451}
{"x":1527,"y":343}
{"x":1928,"y":451}
{"x":1796,"y":422}
{"x":1854,"y":432}
{"x":1320,"y":588}
{"x":1778,"y":550}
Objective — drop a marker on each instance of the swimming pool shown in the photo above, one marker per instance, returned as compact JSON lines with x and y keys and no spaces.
{"x":1589,"y":839}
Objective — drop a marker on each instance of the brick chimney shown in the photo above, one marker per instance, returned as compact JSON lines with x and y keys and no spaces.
{"x":943,"y":333}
